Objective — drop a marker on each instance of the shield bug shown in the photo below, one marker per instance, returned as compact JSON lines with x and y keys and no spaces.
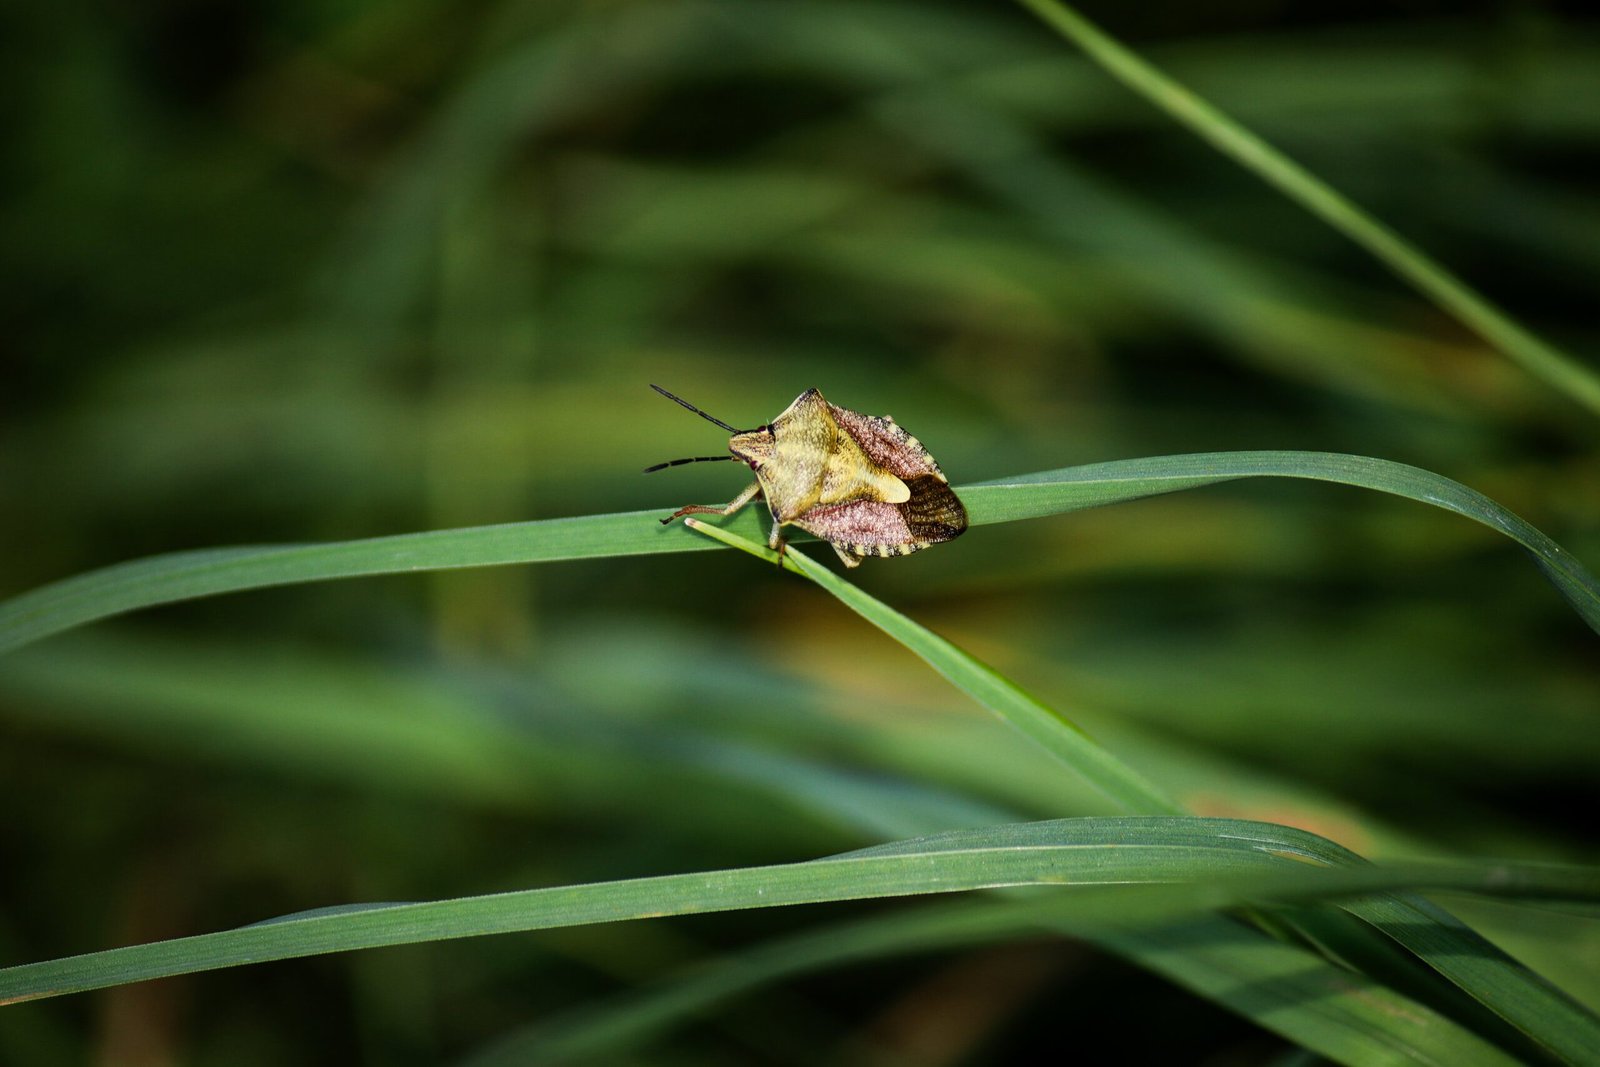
{"x":858,"y":482}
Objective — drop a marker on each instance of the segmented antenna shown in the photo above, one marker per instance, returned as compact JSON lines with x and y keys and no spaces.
{"x":680,"y":462}
{"x":697,"y":411}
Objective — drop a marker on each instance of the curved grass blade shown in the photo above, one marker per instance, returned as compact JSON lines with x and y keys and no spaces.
{"x":1344,"y":1016}
{"x":1340,"y":1014}
{"x":1174,"y":862}
{"x":1513,"y":993}
{"x":186,"y":575}
{"x":1539,"y":1011}
{"x":1074,"y":488}
{"x":1539,"y":358}
{"x":1048,"y":728}
{"x":177,"y":576}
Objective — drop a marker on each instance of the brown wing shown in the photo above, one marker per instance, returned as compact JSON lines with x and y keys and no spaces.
{"x":887,"y":444}
{"x":861,"y":527}
{"x":934,"y":513}
{"x":874,"y":528}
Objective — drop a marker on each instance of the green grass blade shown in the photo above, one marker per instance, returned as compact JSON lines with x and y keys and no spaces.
{"x":1094,"y":485}
{"x":1153,"y":854}
{"x":179,"y":576}
{"x":1509,"y":990}
{"x":1344,"y":1016}
{"x":1051,"y":730}
{"x":1539,"y":358}
{"x":1544,"y":1014}
{"x":185,"y":575}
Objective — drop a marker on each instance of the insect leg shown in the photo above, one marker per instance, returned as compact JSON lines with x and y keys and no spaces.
{"x":849,"y":560}
{"x":701,"y":509}
{"x":776,"y":543}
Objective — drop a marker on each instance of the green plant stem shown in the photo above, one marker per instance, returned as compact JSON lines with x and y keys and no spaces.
{"x":1233,"y":140}
{"x":1058,"y":735}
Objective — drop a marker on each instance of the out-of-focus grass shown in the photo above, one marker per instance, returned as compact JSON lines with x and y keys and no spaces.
{"x":308,"y":273}
{"x":1556,"y":368}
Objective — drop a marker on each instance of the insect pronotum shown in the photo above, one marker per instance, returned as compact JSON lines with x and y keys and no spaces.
{"x":858,"y":482}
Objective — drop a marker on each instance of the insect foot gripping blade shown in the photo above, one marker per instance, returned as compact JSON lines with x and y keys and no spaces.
{"x":858,"y":482}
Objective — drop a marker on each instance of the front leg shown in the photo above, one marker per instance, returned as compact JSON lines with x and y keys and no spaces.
{"x":701,"y":509}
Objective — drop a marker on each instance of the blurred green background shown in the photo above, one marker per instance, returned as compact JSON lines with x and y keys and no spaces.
{"x":307,"y":271}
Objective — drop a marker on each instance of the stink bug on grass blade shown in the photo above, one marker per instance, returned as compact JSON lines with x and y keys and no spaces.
{"x":859,"y":482}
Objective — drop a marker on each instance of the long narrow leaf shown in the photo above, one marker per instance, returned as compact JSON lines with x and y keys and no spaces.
{"x":1175,"y":862}
{"x":1288,"y":990}
{"x":1339,"y":1014}
{"x":1513,"y":993}
{"x":1536,"y":356}
{"x":1072,"y":488}
{"x":1048,"y":728}
{"x":186,"y":575}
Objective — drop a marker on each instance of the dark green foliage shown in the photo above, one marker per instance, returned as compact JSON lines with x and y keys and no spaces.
{"x":302,"y":274}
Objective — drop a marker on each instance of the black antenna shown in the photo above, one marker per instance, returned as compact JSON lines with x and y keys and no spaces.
{"x":680,"y":462}
{"x":697,"y":411}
